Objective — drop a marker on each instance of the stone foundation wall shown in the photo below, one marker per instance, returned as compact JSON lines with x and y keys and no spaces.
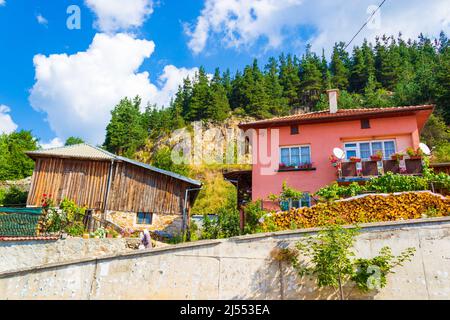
{"x":161,"y":222}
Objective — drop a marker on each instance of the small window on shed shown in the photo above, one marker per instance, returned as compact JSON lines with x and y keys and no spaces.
{"x":144,"y":218}
{"x":365,"y":124}
{"x":294,"y":129}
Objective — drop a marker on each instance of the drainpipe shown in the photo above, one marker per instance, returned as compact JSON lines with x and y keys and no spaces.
{"x":184,"y":224}
{"x":108,"y":188}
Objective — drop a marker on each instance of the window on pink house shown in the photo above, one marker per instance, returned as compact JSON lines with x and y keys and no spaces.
{"x":365,"y":149}
{"x":295,"y":156}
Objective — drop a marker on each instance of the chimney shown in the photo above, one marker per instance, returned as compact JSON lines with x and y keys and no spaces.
{"x":332,"y":99}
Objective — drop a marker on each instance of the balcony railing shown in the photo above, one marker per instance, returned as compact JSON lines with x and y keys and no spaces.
{"x":371,"y":168}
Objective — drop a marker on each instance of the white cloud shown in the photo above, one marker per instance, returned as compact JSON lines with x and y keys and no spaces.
{"x":41,"y":19}
{"x":243,"y":23}
{"x":79,"y":91}
{"x":115,"y":15}
{"x":54,"y":143}
{"x":7,"y":124}
{"x":2,"y":2}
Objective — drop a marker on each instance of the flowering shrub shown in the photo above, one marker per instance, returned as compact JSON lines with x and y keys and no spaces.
{"x":68,"y":217}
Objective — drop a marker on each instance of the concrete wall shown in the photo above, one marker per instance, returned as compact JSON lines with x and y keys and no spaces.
{"x":239,"y":268}
{"x":17,"y":255}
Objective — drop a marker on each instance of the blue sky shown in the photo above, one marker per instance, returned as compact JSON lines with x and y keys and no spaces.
{"x":146,"y":47}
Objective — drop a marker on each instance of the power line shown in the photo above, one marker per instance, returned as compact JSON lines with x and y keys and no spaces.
{"x":373,"y":13}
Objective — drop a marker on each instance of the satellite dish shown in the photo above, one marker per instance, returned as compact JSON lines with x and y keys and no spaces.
{"x":339,"y":153}
{"x":424,"y":149}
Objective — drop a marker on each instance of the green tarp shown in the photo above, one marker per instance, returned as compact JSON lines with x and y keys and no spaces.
{"x":19,"y":222}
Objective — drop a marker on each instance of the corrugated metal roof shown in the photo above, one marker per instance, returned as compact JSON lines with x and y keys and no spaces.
{"x":82,"y":150}
{"x":87,"y":151}
{"x":341,"y":115}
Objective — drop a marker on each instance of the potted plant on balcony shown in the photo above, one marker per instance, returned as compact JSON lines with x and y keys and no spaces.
{"x":355,"y":159}
{"x":397,"y":156}
{"x":377,"y":156}
{"x":282,"y":166}
{"x":334,"y":160}
{"x":414,"y":154}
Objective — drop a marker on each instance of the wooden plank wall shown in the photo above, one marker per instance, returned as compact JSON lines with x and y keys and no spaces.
{"x":136,"y":189}
{"x":80,"y":180}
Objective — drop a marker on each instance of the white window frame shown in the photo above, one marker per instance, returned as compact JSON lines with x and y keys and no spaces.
{"x":300,"y":154}
{"x":305,"y":194}
{"x":358,"y":148}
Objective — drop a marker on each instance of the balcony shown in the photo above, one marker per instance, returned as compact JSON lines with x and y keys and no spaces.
{"x":364,"y":170}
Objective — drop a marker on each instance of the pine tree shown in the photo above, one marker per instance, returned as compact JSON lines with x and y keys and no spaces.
{"x":255,"y":95}
{"x":237,"y":98}
{"x":125,"y":133}
{"x":339,"y":67}
{"x":442,"y":91}
{"x":326,"y":74}
{"x":290,"y":80}
{"x":201,"y":97}
{"x":311,"y":79}
{"x":226,"y":83}
{"x":218,"y":107}
{"x":274,"y":89}
{"x":359,"y":75}
{"x":387,"y":61}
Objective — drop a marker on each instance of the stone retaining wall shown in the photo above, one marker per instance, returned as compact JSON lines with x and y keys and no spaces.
{"x":16,"y":255}
{"x":239,"y":268}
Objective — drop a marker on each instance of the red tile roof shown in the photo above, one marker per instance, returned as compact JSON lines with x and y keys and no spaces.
{"x":341,"y":115}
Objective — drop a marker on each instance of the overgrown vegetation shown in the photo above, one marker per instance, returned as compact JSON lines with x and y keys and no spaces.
{"x":329,"y":257}
{"x":13,"y":196}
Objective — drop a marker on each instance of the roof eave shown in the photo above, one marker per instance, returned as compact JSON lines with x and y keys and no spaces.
{"x":348,"y":117}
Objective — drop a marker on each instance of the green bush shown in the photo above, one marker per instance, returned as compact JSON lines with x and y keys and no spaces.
{"x":76,"y":229}
{"x":335,"y":192}
{"x":253,"y":214}
{"x":397,"y":183}
{"x":74,"y":213}
{"x":226,"y":225}
{"x":13,"y":196}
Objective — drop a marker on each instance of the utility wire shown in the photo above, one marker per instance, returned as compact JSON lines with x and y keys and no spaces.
{"x":373,"y":13}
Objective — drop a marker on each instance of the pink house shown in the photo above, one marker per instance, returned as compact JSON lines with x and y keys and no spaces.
{"x":297,"y":148}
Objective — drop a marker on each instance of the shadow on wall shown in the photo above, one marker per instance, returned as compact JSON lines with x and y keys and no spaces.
{"x":280,"y":281}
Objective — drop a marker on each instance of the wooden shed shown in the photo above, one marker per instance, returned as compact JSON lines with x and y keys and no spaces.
{"x":126,"y":192}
